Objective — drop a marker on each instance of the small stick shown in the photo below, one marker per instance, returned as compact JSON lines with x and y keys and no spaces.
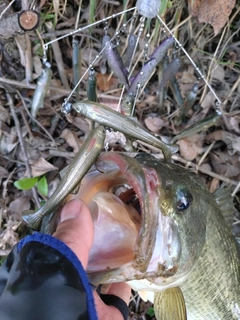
{"x":59,"y":61}
{"x":22,"y":144}
{"x":33,"y":119}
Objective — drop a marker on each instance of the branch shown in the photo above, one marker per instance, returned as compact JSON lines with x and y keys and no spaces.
{"x":19,"y":23}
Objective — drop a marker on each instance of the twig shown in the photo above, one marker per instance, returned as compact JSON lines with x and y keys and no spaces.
{"x":33,"y":119}
{"x":208,"y":172}
{"x":60,"y":90}
{"x":236,"y":190}
{"x":28,"y":59}
{"x":54,"y":121}
{"x":191,"y":164}
{"x":59,"y":61}
{"x":7,"y":7}
{"x":22,"y":144}
{"x":63,"y":154}
{"x":209,"y":148}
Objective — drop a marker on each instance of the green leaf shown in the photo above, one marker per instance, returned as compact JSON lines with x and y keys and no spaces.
{"x":150,"y":312}
{"x":43,"y":186}
{"x":26,"y":183}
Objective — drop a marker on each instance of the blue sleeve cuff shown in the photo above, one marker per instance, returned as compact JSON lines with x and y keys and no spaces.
{"x":70,"y":255}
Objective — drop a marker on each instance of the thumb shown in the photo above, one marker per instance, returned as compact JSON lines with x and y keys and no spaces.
{"x":76,"y":229}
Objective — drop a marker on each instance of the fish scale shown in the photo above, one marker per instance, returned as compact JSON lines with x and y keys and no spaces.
{"x":212,"y":290}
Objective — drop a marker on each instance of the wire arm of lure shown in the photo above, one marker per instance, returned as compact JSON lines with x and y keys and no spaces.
{"x":86,"y":27}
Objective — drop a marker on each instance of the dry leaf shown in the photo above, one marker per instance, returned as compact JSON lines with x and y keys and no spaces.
{"x":233,"y":124}
{"x":79,"y":122}
{"x":232,"y":141}
{"x":190,"y":147}
{"x":214,"y":185}
{"x":9,"y":237}
{"x":41,"y":166}
{"x":224,"y":164}
{"x":4,"y":115}
{"x":103,"y":83}
{"x":208,"y":101}
{"x":3,"y":173}
{"x":218,"y":73}
{"x":114,"y":137}
{"x":154,"y":124}
{"x":215,"y":12}
{"x":18,"y":205}
{"x":72,"y":139}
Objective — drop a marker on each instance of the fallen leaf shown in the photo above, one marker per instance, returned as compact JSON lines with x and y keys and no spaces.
{"x":103,"y":82}
{"x":114,"y":137}
{"x":225,"y":165}
{"x":4,"y":115}
{"x":79,"y":122}
{"x":218,"y":73}
{"x":9,"y":237}
{"x":215,"y":12}
{"x":214,"y":185}
{"x":232,"y":141}
{"x":233,"y":124}
{"x":3,"y":173}
{"x":72,"y":139}
{"x":153,"y":123}
{"x":41,"y":166}
{"x":17,"y":206}
{"x":190,"y":147}
{"x":208,"y":101}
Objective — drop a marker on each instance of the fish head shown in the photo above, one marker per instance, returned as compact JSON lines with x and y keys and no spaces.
{"x":169,"y":233}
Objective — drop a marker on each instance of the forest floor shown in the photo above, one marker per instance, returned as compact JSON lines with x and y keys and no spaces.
{"x":38,"y":141}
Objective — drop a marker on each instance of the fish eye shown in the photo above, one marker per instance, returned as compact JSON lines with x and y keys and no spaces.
{"x":184,"y":199}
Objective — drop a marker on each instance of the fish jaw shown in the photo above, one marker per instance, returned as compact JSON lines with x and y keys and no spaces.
{"x":156,"y":250}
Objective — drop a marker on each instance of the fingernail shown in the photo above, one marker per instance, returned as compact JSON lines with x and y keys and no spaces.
{"x":71,"y":210}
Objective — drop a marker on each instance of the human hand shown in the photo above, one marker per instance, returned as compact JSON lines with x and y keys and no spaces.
{"x":76,"y":231}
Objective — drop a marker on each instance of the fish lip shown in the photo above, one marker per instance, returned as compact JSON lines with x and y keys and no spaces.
{"x":145,"y":182}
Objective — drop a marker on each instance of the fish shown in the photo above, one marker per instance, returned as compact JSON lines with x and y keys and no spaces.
{"x":41,"y":89}
{"x":142,"y":76}
{"x":109,"y":118}
{"x":159,"y":229}
{"x":71,"y":178}
{"x":164,"y":233}
{"x":114,"y":60}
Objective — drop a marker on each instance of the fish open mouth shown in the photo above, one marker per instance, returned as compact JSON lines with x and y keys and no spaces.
{"x":129,"y":197}
{"x":120,"y":199}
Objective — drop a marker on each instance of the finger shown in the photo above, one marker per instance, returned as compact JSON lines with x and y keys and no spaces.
{"x":76,"y":229}
{"x":105,"y":312}
{"x":120,"y":289}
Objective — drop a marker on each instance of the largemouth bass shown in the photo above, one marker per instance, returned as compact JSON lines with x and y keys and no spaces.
{"x":172,"y":235}
{"x":157,"y":227}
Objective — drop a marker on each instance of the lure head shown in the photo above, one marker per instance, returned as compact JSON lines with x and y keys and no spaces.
{"x":160,"y":224}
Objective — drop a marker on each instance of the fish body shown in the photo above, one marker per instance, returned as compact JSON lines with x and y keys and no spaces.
{"x":142,"y":76}
{"x":212,"y":290}
{"x":41,"y":90}
{"x":181,"y":239}
{"x":164,"y":233}
{"x":114,"y":60}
